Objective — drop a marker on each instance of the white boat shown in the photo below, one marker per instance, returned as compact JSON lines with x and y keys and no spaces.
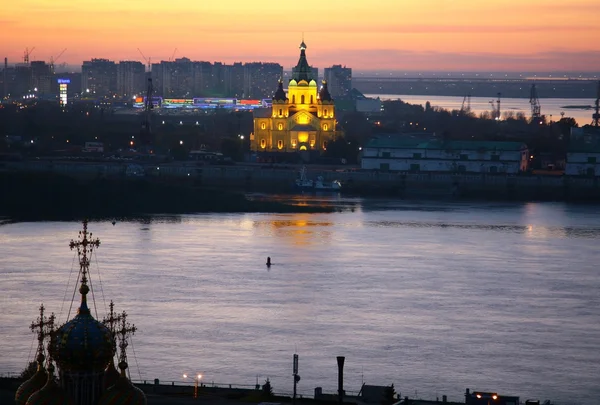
{"x":304,"y":183}
{"x":323,"y":185}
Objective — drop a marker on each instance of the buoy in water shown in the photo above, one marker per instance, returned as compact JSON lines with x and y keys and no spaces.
{"x":268,"y":261}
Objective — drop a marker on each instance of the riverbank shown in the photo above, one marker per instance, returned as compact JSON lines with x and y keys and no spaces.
{"x":45,"y":196}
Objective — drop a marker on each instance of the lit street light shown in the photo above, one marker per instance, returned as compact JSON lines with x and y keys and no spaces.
{"x":197,"y":378}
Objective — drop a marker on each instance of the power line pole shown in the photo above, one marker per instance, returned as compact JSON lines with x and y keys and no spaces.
{"x":296,"y":378}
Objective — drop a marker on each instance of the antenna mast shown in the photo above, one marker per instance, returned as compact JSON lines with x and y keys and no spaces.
{"x":596,"y":116}
{"x":536,"y":108}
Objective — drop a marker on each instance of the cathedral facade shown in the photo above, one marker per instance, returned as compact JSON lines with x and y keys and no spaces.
{"x":302,"y":120}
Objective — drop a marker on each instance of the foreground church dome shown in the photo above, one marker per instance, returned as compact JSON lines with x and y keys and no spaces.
{"x":83,"y":343}
{"x":35,"y":383}
{"x":51,"y":393}
{"x":123,"y":392}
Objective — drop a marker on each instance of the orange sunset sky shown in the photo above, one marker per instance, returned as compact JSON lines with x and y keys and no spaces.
{"x":444,"y":35}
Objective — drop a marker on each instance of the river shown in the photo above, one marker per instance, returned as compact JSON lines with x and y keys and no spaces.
{"x":550,"y":107}
{"x":433,"y":297}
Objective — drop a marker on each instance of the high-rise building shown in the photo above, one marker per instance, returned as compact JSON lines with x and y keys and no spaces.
{"x":99,"y":78}
{"x":301,"y":120}
{"x":41,"y":77}
{"x":259,"y":78}
{"x":339,"y":80}
{"x":131,"y":78}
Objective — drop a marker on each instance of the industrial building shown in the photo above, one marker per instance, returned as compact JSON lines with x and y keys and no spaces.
{"x":426,"y":153}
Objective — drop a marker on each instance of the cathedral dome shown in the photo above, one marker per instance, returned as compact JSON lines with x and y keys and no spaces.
{"x":35,"y":383}
{"x":324,"y":93}
{"x":123,"y":392}
{"x":83,"y":343}
{"x":292,"y":83}
{"x":51,"y":393}
{"x":312,"y":83}
{"x":280,"y":93}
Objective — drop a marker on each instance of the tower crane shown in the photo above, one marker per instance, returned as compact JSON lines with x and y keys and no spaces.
{"x":496,"y":108}
{"x":146,"y":130}
{"x":54,"y":60}
{"x":536,"y":108}
{"x":146,"y":59}
{"x":172,"y":58}
{"x":596,"y":116}
{"x":26,"y":55}
{"x":466,"y":104}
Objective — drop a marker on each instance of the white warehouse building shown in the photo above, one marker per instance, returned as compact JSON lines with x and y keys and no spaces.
{"x":583,"y":155}
{"x":430,"y":154}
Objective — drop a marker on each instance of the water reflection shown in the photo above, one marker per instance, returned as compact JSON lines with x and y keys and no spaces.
{"x":296,"y":229}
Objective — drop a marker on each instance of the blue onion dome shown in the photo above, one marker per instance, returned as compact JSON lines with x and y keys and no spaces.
{"x":123,"y":392}
{"x":51,"y":393}
{"x":35,"y":383}
{"x":111,"y":375}
{"x":83,"y":343}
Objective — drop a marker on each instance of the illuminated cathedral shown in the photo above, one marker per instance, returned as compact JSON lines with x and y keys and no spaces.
{"x":302,"y":120}
{"x":83,"y":350}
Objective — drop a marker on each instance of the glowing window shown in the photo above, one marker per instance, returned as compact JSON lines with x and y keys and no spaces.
{"x":263,"y":143}
{"x":325,"y":112}
{"x":280,"y":127}
{"x":325,"y":127}
{"x":294,"y":143}
{"x":302,"y":147}
{"x":263,"y":126}
{"x":312,"y":143}
{"x":280,"y":112}
{"x":280,"y":144}
{"x":324,"y":145}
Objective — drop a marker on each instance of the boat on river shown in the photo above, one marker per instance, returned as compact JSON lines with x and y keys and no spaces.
{"x":320,"y":184}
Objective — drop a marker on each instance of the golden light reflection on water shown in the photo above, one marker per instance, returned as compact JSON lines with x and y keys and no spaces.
{"x":297,"y":229}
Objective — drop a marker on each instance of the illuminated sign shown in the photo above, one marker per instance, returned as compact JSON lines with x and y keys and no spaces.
{"x":64,"y":81}
{"x":62,"y":94}
{"x":178,"y":101}
{"x":250,"y":102}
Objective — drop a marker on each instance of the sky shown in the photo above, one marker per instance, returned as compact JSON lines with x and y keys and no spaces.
{"x":404,"y":35}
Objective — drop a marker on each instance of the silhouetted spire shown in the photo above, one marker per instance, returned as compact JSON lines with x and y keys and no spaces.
{"x":280,"y":93}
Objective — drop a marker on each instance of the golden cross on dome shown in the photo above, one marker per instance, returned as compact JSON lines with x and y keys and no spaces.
{"x":84,"y":245}
{"x":126,"y":330}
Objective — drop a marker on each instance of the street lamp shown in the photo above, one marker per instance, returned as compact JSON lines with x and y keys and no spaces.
{"x":196,"y":378}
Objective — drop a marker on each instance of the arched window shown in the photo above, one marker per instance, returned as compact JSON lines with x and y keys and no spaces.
{"x":324,"y":145}
{"x":294,"y":143}
{"x":263,"y":126}
{"x":302,"y":99}
{"x":280,"y":144}
{"x":311,"y":99}
{"x":263,"y":143}
{"x":325,"y":127}
{"x":280,"y":127}
{"x":294,"y":99}
{"x":280,"y":112}
{"x":325,"y":112}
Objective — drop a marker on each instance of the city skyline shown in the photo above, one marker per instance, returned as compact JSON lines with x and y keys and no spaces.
{"x":499,"y":35}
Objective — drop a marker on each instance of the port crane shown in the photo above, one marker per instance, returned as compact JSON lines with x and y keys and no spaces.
{"x":146,"y":130}
{"x":536,"y":108}
{"x":496,"y":108}
{"x":146,"y":59}
{"x":26,"y":55}
{"x":596,"y":116}
{"x":54,"y":60}
{"x":172,"y":58}
{"x":466,"y":104}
